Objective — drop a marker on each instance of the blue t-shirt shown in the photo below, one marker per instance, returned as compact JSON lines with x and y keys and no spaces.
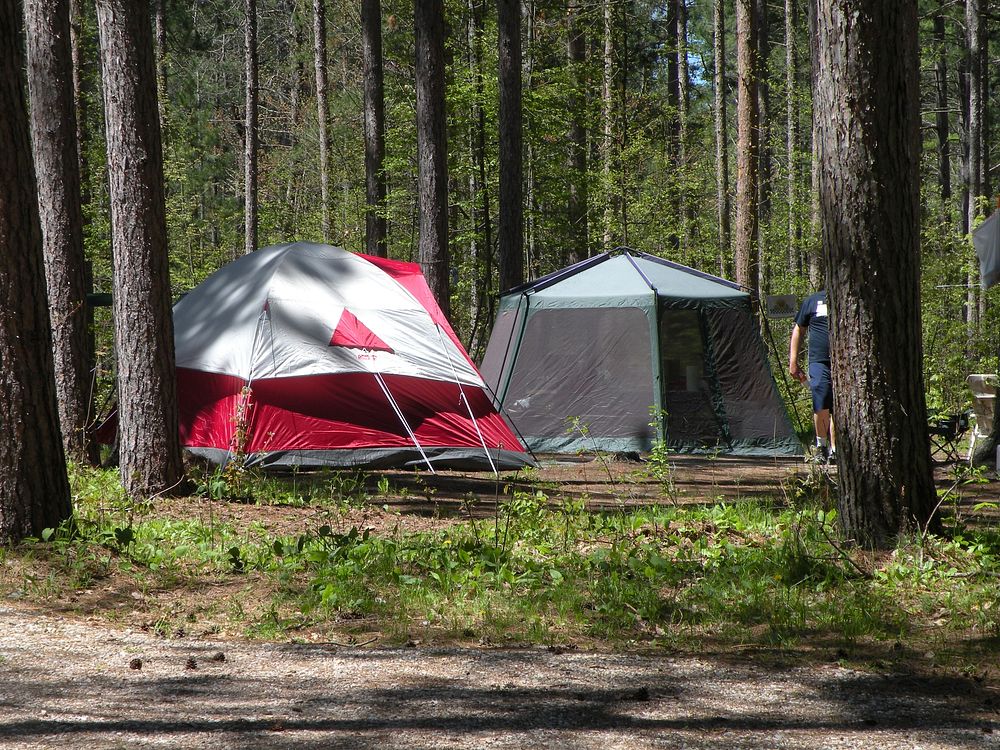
{"x":813,"y":316}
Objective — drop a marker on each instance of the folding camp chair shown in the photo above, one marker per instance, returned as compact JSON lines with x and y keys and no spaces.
{"x":984,"y":396}
{"x":946,"y":433}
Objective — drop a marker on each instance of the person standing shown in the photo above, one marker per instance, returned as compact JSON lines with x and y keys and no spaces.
{"x":813,"y":320}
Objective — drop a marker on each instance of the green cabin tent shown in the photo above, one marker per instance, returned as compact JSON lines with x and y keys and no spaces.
{"x":625,"y":349}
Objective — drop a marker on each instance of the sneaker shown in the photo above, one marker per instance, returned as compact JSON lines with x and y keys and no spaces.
{"x":831,"y":459}
{"x":820,"y":455}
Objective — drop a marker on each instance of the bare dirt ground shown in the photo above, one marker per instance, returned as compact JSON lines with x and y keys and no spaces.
{"x":69,"y":680}
{"x":69,"y":684}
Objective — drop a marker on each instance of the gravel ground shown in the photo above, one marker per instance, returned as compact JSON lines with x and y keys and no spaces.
{"x":67,"y":683}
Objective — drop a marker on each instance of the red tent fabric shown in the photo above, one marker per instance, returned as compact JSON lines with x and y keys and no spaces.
{"x":306,"y":354}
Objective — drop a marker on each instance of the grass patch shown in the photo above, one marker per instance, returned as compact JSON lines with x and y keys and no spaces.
{"x":541,"y":569}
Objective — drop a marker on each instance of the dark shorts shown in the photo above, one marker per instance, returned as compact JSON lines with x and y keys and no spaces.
{"x":820,"y":385}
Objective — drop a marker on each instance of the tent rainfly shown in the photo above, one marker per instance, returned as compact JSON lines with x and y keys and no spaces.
{"x":626,"y":349}
{"x":306,"y":354}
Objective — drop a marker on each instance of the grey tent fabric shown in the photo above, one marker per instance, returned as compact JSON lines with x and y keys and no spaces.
{"x":626,"y":349}
{"x":986,"y":240}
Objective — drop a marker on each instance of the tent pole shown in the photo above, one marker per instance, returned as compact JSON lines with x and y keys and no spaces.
{"x":468,"y":406}
{"x":406,"y":426}
{"x":506,"y":376}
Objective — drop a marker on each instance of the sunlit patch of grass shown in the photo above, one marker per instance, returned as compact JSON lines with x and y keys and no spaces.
{"x":542,"y":570}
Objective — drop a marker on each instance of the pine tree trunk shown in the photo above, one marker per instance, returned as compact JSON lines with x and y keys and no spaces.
{"x":77,"y":44}
{"x":576,"y":57}
{"x":432,"y":149}
{"x":607,"y":108}
{"x":510,"y":231}
{"x":250,"y":128}
{"x":322,"y":114}
{"x":482,"y":217}
{"x":721,"y":137}
{"x":297,"y":89}
{"x":748,"y":149}
{"x":984,"y":151}
{"x":160,"y":38}
{"x":53,"y":125}
{"x":673,"y":134}
{"x":530,"y":233}
{"x":973,"y":22}
{"x":984,"y":122}
{"x":34,"y":490}
{"x":764,"y":115}
{"x":375,"y":186}
{"x":815,"y":258}
{"x":963,"y":158}
{"x":683,"y":84}
{"x":77,"y":14}
{"x":869,"y":127}
{"x":792,"y":134}
{"x":149,"y":445}
{"x":941,"y":124}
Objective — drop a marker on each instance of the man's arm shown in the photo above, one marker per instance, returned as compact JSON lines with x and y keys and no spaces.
{"x":793,"y":354}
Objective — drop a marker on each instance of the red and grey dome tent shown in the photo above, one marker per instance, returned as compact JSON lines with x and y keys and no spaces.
{"x":306,"y":354}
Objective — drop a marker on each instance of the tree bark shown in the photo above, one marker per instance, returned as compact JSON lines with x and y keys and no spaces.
{"x":721,"y":137}
{"x":375,"y":183}
{"x":815,"y":250}
{"x":53,"y":126}
{"x":748,"y":149}
{"x":683,"y":84}
{"x":985,"y":119}
{"x":250,"y":128}
{"x":160,"y":37}
{"x":607,"y":131}
{"x":510,"y":231}
{"x":78,"y":22}
{"x":867,"y":100}
{"x":34,"y":489}
{"x":963,"y":158}
{"x":482,"y":219}
{"x":149,"y":445}
{"x":322,"y":114}
{"x":297,"y":89}
{"x":792,"y":134}
{"x":577,"y":199}
{"x":762,"y":55}
{"x":77,"y":43}
{"x":432,"y":149}
{"x":674,"y":187}
{"x":530,"y":188}
{"x":974,"y":29}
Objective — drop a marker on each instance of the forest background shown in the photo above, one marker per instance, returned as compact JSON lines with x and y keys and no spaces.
{"x":583,"y":128}
{"x":621,"y":110}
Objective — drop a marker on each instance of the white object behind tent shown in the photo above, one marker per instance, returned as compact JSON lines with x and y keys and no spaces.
{"x":986,"y":240}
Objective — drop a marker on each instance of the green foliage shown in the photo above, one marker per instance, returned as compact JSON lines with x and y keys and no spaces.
{"x":544,"y":569}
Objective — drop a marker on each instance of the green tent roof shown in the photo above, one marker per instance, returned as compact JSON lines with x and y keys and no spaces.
{"x":625,"y":279}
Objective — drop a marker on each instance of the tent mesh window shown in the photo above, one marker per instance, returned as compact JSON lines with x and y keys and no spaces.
{"x":497,"y":358}
{"x":753,"y":410}
{"x":589,"y":366}
{"x":691,"y":418}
